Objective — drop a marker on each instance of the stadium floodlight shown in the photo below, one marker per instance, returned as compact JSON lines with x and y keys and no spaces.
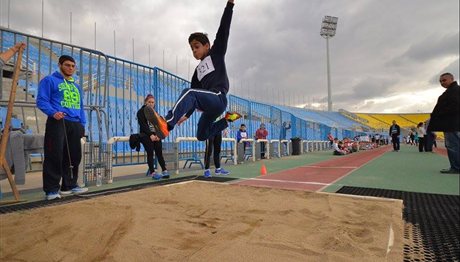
{"x":328,"y":28}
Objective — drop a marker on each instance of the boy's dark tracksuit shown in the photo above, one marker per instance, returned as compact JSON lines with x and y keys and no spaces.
{"x":209,"y":86}
{"x":55,"y":94}
{"x":149,"y":145}
{"x":213,"y":144}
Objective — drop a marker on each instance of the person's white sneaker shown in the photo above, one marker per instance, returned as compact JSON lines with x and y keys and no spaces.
{"x":79,"y":190}
{"x":52,"y":195}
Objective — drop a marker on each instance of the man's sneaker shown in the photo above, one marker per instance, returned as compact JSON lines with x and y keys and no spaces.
{"x":165,"y":174}
{"x":156,"y":176}
{"x":449,"y":171}
{"x":52,"y":195}
{"x":66,"y":192}
{"x":207,"y":173}
{"x":232,"y":116}
{"x":221,"y":171}
{"x":78,"y":190}
{"x":158,"y":122}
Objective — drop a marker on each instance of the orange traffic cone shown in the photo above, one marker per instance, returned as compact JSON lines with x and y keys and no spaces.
{"x":263,"y":170}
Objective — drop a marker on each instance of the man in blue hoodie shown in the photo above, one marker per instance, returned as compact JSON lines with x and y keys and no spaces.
{"x":61,"y":99}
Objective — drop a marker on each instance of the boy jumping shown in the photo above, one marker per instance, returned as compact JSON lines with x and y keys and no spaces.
{"x":209,"y":86}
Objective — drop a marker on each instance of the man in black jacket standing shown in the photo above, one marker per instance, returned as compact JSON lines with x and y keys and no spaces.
{"x":446,"y":117}
{"x":394,"y":132}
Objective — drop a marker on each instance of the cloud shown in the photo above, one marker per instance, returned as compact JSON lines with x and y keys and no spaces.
{"x":382,"y":49}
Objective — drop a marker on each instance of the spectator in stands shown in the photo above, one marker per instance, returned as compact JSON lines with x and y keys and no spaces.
{"x":261,"y":133}
{"x":150,"y":140}
{"x":8,"y":54}
{"x":242,"y":134}
{"x":209,"y":84}
{"x":421,"y":137}
{"x":213,"y":144}
{"x":446,"y":117}
{"x":61,"y":99}
{"x":394,"y":132}
{"x":337,"y":149}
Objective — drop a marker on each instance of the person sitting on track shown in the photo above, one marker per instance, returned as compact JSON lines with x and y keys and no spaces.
{"x":337,"y":150}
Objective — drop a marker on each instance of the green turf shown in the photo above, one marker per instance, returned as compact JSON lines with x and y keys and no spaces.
{"x":406,"y":170}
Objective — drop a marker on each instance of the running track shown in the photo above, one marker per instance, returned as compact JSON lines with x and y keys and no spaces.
{"x":316,"y":177}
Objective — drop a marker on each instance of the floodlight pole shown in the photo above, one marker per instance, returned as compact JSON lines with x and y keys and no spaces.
{"x":329,"y":92}
{"x":328,"y":28}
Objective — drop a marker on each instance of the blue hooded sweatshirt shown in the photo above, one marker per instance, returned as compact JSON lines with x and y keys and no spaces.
{"x":56,"y":94}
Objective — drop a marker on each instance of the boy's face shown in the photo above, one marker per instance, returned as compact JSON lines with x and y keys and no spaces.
{"x":67,"y":68}
{"x":199,"y":50}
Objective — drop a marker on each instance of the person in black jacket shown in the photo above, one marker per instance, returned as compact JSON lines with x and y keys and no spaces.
{"x":150,"y":140}
{"x":446,"y":117}
{"x":394,"y":132}
{"x":209,"y":86}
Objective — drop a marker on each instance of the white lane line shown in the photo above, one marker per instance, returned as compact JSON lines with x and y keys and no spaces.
{"x":286,"y":181}
{"x":391,"y":239}
{"x":339,"y":167}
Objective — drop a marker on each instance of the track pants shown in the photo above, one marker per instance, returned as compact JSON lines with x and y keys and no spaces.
{"x":211,"y":104}
{"x":151,"y":146}
{"x":56,"y":165}
{"x":213,"y":144}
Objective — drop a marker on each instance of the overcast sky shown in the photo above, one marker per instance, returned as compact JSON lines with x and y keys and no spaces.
{"x":386,"y":56}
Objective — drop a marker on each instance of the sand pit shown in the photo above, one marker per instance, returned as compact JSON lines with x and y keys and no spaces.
{"x":200,"y":221}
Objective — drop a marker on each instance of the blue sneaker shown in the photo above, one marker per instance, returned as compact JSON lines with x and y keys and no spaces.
{"x":156,"y":176}
{"x":52,"y":195}
{"x":78,"y":190}
{"x":165,"y":174}
{"x":221,"y":171}
{"x":207,"y":173}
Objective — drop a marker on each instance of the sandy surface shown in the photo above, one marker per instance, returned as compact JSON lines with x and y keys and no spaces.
{"x":201,"y":221}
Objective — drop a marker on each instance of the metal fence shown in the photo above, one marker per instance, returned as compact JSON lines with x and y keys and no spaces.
{"x":114,"y":90}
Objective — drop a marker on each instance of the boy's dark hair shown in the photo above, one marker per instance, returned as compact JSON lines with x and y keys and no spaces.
{"x":200,"y":37}
{"x":242,"y":125}
{"x":64,"y":58}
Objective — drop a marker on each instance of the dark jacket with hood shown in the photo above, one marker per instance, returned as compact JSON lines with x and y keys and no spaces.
{"x":446,"y":114}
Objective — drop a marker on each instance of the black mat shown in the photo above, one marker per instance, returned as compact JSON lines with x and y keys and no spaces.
{"x":219,"y":179}
{"x":435,"y":216}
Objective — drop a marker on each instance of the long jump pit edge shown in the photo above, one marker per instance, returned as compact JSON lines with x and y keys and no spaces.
{"x":203,"y":221}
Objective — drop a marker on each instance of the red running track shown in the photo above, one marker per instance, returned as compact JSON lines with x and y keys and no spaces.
{"x":316,"y":176}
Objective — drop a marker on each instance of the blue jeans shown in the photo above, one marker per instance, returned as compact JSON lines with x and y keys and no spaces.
{"x":452,"y":142}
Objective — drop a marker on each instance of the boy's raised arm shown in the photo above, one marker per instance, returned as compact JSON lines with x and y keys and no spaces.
{"x":220,"y":44}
